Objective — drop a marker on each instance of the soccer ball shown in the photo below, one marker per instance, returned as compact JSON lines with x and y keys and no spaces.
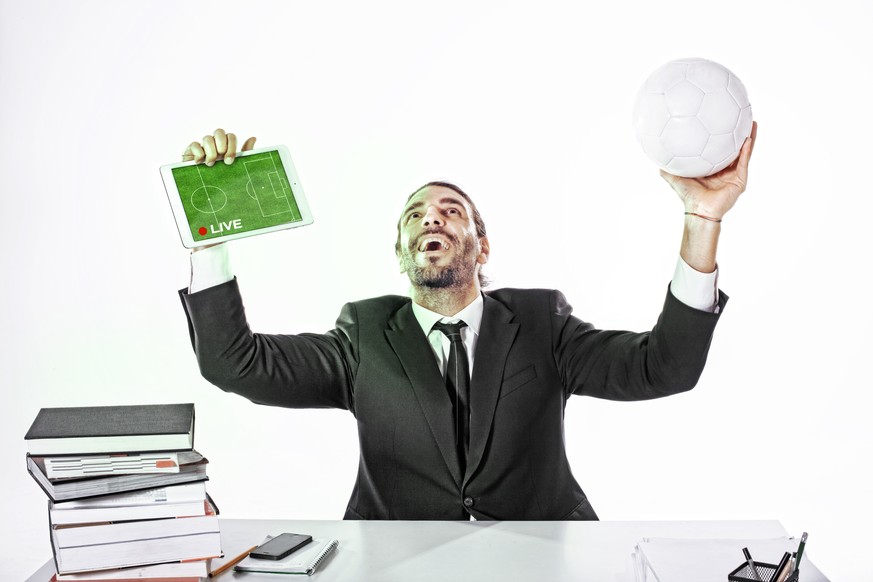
{"x":692,"y":117}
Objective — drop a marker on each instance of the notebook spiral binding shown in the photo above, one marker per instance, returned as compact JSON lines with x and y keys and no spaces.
{"x":323,"y":555}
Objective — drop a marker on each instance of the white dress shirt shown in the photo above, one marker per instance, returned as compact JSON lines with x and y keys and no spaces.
{"x":439,"y":342}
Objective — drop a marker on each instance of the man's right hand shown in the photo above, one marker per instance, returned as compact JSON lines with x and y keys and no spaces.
{"x":218,"y":146}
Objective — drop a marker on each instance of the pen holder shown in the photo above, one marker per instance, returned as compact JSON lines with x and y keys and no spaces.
{"x":766,"y":571}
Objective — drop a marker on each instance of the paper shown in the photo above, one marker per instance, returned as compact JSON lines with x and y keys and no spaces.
{"x":302,"y":561}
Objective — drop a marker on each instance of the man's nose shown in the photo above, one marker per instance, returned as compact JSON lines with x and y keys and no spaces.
{"x":431,"y":217}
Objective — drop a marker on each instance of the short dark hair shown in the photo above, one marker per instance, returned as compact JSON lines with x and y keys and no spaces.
{"x":477,"y":218}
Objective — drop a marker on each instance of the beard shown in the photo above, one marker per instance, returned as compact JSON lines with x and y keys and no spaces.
{"x":458,"y":273}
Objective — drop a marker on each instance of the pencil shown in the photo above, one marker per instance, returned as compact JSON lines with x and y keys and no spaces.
{"x":753,"y":567}
{"x":800,"y":550}
{"x":225,"y":567}
{"x":779,"y":574}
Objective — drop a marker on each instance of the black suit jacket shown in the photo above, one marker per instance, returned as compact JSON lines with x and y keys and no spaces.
{"x":532,"y":355}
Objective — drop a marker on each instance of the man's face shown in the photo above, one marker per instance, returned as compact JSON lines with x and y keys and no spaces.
{"x":439,"y":247}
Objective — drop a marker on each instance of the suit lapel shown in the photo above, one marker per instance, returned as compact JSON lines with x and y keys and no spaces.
{"x":496,"y":336}
{"x":415,"y":355}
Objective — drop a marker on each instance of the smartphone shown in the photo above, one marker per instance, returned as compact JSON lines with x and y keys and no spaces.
{"x":280,"y":546}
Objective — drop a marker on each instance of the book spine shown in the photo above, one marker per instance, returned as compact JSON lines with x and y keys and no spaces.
{"x":52,"y":539}
{"x":50,"y":493}
{"x":212,"y":503}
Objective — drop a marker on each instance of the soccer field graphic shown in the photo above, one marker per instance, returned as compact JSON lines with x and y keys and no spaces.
{"x":250,"y":194}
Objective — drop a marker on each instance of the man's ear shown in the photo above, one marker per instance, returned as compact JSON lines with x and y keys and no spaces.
{"x":484,"y":250}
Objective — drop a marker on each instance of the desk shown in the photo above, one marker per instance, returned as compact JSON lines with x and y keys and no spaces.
{"x":505,"y":551}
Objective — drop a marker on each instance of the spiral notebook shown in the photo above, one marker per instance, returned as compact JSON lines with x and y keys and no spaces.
{"x":303,"y":561}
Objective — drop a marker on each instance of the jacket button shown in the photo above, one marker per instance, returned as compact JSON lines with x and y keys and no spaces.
{"x":468,"y":501}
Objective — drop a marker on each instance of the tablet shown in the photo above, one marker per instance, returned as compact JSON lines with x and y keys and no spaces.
{"x":258,"y":193}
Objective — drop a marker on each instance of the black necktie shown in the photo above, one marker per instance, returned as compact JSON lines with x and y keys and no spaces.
{"x":458,"y":384}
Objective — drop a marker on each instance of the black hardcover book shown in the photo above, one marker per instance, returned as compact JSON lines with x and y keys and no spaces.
{"x":112,"y":429}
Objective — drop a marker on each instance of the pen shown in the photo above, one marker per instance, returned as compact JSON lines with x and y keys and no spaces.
{"x":225,"y":567}
{"x":779,"y":574}
{"x":752,"y":566}
{"x":800,"y":551}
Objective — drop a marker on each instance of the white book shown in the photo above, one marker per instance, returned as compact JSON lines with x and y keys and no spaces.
{"x":119,"y":514}
{"x":178,"y":501}
{"x":70,"y":560}
{"x":130,"y":531}
{"x":197,"y":568}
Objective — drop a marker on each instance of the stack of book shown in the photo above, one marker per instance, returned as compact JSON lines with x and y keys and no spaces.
{"x":126,"y":489}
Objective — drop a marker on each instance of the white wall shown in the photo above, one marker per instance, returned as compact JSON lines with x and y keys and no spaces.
{"x":528,"y":108}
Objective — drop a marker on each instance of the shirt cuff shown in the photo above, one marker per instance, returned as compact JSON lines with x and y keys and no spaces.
{"x":695,"y":289}
{"x":209,"y":267}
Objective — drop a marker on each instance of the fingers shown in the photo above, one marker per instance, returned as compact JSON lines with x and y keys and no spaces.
{"x":746,"y":154}
{"x":231,"y":151}
{"x":675,"y":183}
{"x":665,"y":175}
{"x":193,"y":152}
{"x":753,"y":136}
{"x":670,"y":178}
{"x":219,"y":145}
{"x":210,"y":149}
{"x":220,"y":142}
{"x":230,"y":148}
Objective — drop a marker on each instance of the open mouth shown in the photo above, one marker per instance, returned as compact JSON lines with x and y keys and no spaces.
{"x":433,"y":244}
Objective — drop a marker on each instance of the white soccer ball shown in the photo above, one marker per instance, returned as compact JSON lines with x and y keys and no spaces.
{"x":692,"y":117}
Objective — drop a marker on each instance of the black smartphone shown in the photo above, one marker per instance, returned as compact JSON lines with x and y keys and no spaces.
{"x":280,"y":546}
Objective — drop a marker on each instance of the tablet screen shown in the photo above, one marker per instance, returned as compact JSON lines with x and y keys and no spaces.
{"x":251,"y":194}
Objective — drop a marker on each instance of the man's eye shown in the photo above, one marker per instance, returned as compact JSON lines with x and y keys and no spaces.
{"x":413,"y":215}
{"x":453,"y":211}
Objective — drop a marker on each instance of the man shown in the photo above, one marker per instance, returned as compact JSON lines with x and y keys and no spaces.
{"x":459,"y":395}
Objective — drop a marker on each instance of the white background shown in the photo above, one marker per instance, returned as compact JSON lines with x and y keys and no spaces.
{"x":528,"y":108}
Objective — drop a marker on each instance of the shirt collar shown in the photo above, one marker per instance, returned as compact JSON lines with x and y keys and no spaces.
{"x":471,"y":315}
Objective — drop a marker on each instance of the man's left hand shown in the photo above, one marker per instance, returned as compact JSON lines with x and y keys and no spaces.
{"x":714,"y":195}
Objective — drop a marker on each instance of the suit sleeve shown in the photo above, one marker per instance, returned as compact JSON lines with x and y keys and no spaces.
{"x":622,"y":365}
{"x":294,"y":371}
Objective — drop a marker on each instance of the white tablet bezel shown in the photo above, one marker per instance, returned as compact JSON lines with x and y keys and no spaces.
{"x":182,"y":220}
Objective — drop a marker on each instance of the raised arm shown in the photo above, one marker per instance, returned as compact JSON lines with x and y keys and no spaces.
{"x":706,"y":202}
{"x":296,"y":371}
{"x":623,"y":365}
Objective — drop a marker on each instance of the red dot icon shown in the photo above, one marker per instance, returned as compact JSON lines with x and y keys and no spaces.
{"x":202,"y":230}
